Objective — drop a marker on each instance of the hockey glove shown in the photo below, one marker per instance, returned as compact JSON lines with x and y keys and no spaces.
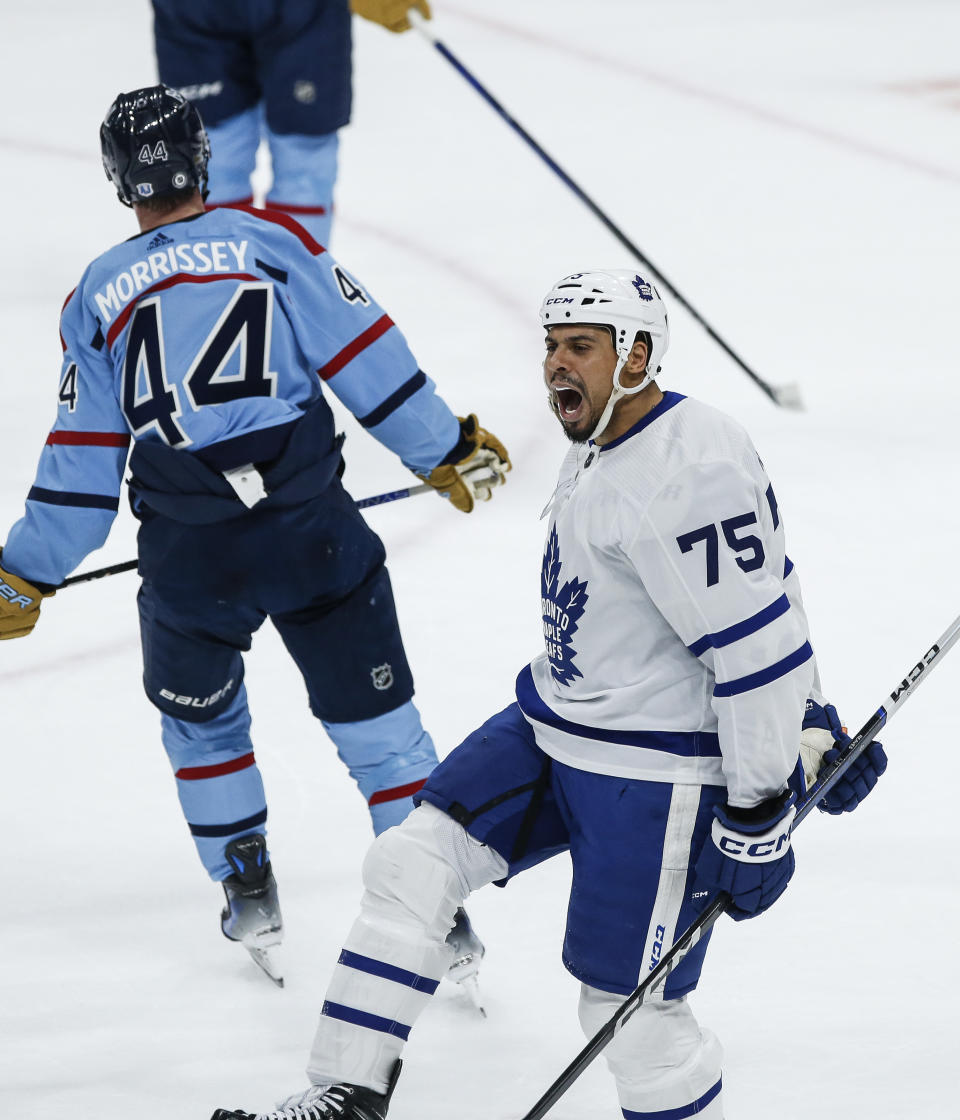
{"x":19,"y":605}
{"x":748,"y":855}
{"x":391,"y":14}
{"x":476,"y":465}
{"x":823,"y":740}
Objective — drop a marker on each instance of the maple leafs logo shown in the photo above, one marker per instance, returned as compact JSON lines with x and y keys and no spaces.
{"x":551,"y":563}
{"x":644,"y":289}
{"x":562,"y":607}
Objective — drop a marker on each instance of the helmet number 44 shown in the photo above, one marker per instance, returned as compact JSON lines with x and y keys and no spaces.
{"x":156,"y":154}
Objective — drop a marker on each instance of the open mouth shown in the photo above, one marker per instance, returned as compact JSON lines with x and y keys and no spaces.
{"x":569,"y":402}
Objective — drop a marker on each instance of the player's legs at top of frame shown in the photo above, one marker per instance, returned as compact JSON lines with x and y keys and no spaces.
{"x":273,"y":70}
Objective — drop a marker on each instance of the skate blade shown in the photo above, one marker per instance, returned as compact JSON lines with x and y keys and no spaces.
{"x":261,"y":958}
{"x":471,"y":985}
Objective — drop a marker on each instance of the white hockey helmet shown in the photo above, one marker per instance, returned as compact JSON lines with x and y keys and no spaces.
{"x":618,"y":298}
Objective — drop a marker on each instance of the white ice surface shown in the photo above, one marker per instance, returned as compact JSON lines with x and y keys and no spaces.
{"x":795,"y":170}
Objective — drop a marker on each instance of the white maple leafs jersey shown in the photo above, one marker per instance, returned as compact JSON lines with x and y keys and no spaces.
{"x":677,"y":647}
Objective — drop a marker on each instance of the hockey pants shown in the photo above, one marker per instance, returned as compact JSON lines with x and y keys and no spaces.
{"x":415,"y":877}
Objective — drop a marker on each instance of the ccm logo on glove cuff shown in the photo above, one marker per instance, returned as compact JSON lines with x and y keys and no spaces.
{"x":762,"y":848}
{"x":15,"y":598}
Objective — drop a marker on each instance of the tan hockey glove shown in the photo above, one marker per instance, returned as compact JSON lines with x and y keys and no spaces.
{"x":479,"y":463}
{"x":391,"y":14}
{"x":19,"y":605}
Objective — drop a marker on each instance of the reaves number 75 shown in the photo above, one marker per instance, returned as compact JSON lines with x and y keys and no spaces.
{"x":711,"y":538}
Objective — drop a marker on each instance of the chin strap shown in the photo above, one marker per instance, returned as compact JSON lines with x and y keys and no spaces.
{"x":617,"y":393}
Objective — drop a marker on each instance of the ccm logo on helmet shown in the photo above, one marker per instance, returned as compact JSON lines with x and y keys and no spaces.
{"x":559,"y":299}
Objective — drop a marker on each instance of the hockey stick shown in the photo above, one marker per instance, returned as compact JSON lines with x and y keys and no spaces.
{"x":364,"y":503}
{"x":698,"y":929}
{"x":787,"y":396}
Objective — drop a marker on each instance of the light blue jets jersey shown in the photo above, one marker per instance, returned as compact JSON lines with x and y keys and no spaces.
{"x":677,"y":647}
{"x":200,"y":331}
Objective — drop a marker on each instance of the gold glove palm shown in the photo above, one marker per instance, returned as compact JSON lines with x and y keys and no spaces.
{"x":391,"y":14}
{"x":481,"y":465}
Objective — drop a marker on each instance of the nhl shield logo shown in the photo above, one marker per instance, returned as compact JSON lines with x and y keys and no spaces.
{"x":305,"y":92}
{"x":382,"y":676}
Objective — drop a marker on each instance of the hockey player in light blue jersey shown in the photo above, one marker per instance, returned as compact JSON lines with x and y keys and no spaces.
{"x":661,"y":737}
{"x":205,"y":342}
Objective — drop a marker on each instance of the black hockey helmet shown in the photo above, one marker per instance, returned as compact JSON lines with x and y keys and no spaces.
{"x":153,"y":142}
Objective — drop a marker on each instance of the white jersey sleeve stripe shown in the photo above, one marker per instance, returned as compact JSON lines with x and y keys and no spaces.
{"x":741,"y":629}
{"x":765,"y":676}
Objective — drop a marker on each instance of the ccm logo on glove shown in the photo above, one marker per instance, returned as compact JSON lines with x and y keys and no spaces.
{"x":765,"y":848}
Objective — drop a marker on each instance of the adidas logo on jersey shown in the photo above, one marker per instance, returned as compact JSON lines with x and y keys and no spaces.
{"x":160,"y":239}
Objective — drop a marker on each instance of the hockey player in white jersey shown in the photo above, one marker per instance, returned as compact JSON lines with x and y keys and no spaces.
{"x":662,"y":736}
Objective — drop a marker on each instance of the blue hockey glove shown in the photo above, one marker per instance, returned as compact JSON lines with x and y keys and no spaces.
{"x":748,"y":855}
{"x":821,"y":744}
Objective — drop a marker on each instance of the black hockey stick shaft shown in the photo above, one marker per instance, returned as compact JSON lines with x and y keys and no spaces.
{"x":698,"y":929}
{"x":785,"y":396}
{"x":364,"y":503}
{"x":99,"y":573}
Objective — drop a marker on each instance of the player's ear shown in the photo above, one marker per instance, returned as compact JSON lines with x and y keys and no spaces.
{"x":634,"y":368}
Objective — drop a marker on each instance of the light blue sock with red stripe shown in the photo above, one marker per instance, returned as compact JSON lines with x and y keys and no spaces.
{"x":304,"y":173}
{"x":389,"y":757}
{"x":218,"y":781}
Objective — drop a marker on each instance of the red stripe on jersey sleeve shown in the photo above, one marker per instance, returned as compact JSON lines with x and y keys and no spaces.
{"x":180,"y":278}
{"x":352,"y":349}
{"x":90,"y":439}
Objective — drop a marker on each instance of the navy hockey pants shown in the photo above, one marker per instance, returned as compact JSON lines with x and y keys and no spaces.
{"x":317,"y":571}
{"x":273,"y":70}
{"x":632,"y":845}
{"x":291,"y":55}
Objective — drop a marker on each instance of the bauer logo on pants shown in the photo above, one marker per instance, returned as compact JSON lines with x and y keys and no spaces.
{"x":382,"y":676}
{"x":197,"y":701}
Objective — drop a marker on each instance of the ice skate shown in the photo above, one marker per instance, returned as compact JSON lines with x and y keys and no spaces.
{"x":252,"y":911}
{"x":325,"y":1102}
{"x":468,"y":952}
